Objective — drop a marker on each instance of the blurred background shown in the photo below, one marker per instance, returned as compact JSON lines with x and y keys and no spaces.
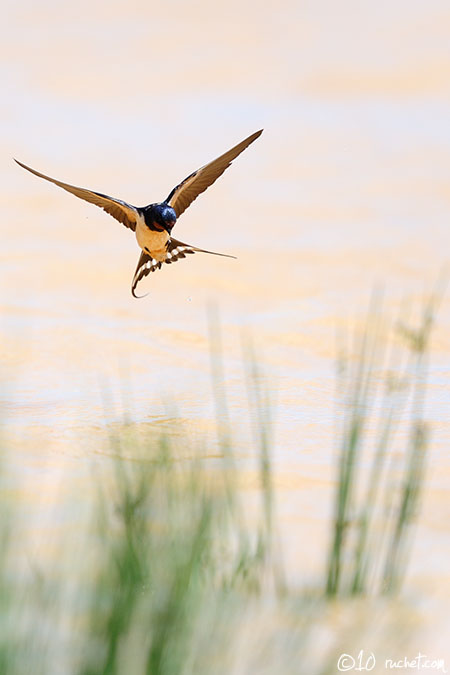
{"x":346,"y":191}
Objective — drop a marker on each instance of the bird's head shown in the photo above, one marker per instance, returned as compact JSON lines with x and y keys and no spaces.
{"x":164,"y":217}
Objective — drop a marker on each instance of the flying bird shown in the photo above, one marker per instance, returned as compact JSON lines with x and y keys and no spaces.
{"x":153,"y":224}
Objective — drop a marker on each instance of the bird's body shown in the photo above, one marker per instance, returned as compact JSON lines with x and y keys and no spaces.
{"x":151,"y":241}
{"x":153,"y":224}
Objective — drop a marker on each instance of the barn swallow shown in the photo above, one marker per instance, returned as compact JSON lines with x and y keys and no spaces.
{"x":153,"y":224}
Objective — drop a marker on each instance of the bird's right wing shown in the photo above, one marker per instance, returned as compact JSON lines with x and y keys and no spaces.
{"x":121,"y":211}
{"x":197,"y":182}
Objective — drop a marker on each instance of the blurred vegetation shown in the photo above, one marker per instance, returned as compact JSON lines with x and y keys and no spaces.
{"x":172,"y":576}
{"x":371,"y":526}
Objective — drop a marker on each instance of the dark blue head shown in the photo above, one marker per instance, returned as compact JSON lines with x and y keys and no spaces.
{"x":163,"y":217}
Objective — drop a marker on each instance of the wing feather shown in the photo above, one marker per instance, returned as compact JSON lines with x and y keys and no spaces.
{"x":121,"y":211}
{"x":197,"y":182}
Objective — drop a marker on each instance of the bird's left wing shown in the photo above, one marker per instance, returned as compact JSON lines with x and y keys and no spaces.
{"x":176,"y":250}
{"x":121,"y":211}
{"x":184,"y":194}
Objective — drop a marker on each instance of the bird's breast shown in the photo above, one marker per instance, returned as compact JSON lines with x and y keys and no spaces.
{"x":151,"y":241}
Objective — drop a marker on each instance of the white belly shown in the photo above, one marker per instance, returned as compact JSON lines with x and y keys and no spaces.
{"x":153,"y":242}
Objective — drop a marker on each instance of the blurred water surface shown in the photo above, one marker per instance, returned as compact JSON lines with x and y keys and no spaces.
{"x":347,"y":189}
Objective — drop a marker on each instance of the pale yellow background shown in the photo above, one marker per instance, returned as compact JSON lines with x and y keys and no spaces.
{"x":347,"y":189}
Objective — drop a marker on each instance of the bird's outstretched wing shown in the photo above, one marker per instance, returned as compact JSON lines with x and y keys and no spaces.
{"x":176,"y":250}
{"x":121,"y":211}
{"x":184,"y":194}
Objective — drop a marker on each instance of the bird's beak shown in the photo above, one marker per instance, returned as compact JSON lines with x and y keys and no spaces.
{"x":169,"y":226}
